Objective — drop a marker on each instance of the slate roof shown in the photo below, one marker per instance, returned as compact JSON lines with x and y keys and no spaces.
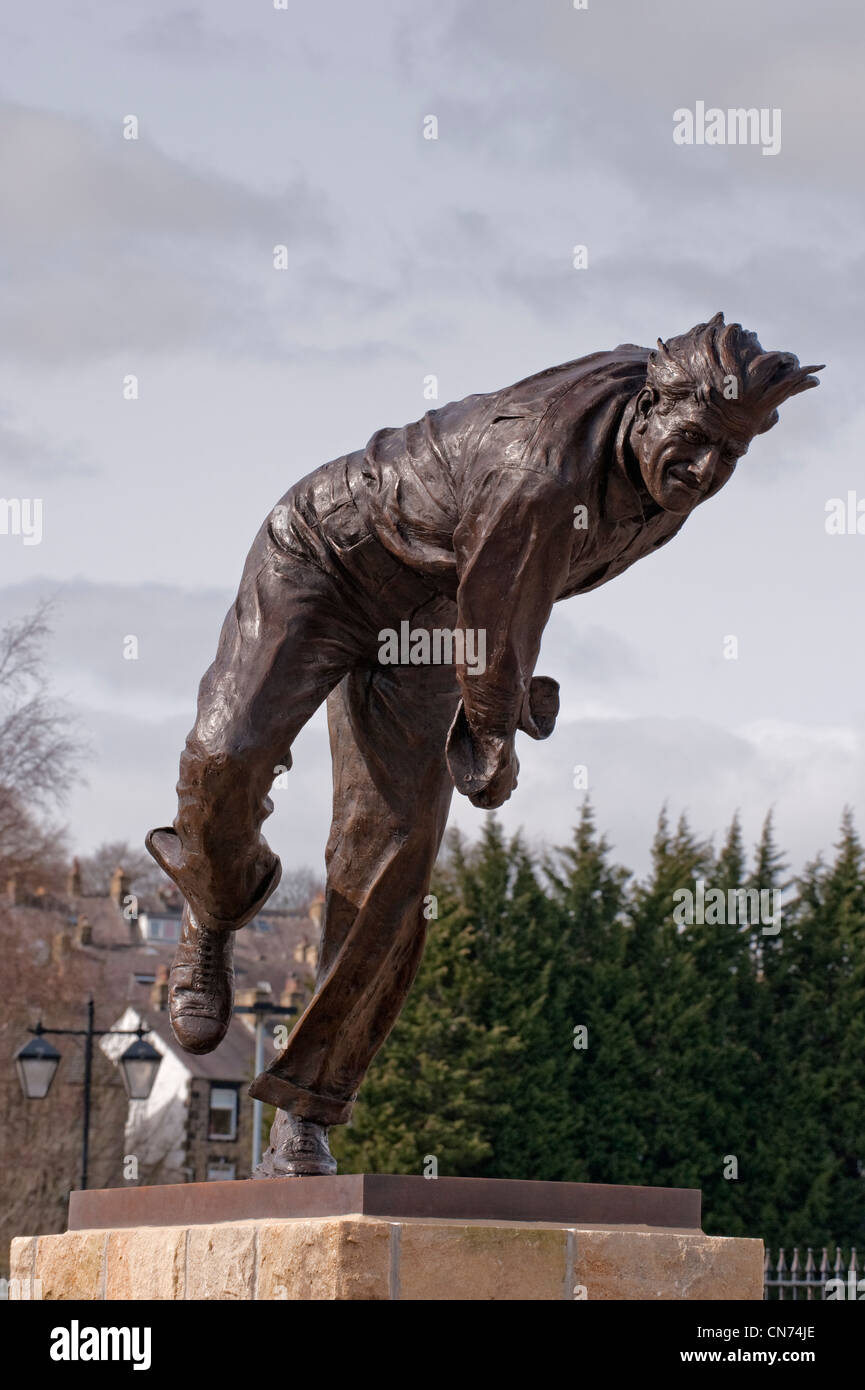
{"x":233,"y":1060}
{"x":117,"y":954}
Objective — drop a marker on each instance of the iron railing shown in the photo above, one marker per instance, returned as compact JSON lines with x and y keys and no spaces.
{"x":809,"y":1277}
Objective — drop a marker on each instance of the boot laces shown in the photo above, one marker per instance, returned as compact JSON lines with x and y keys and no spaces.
{"x":208,"y":964}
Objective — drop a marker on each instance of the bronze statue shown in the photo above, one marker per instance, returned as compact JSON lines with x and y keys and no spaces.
{"x":471,"y":523}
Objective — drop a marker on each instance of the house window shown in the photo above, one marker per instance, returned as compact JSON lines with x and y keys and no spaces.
{"x":162,"y":928}
{"x":145,"y":979}
{"x":222,"y":1123}
{"x":217,"y":1171}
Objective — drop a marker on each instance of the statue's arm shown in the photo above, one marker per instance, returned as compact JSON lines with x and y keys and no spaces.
{"x":513,"y":550}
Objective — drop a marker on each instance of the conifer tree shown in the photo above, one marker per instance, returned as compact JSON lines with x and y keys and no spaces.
{"x":814,"y":1171}
{"x":595,"y":1000}
{"x":726,"y":955}
{"x":428,"y":1094}
{"x":673,"y":1031}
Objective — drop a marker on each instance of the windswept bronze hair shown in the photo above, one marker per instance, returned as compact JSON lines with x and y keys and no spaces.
{"x":724,"y":366}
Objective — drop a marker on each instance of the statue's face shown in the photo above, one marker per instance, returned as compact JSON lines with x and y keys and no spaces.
{"x":686,"y":454}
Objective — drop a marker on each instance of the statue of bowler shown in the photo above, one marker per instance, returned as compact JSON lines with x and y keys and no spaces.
{"x":478,"y":517}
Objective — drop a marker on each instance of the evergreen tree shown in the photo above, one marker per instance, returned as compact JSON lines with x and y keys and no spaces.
{"x":817,"y":980}
{"x":673,"y":1030}
{"x":594,"y":1002}
{"x":519,"y":978}
{"x":428,"y":1092}
{"x":763,"y":1149}
{"x":721,"y":1053}
{"x":725,"y":951}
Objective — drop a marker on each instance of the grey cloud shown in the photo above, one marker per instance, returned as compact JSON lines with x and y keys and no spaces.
{"x":453,"y":258}
{"x":360,"y":353}
{"x":546,"y":85}
{"x":590,"y":657}
{"x":329,"y":289}
{"x":84,"y":189}
{"x":223,"y":34}
{"x":692,"y":766}
{"x":119,"y":247}
{"x":177,"y":631}
{"x":136,"y":714}
{"x":132,"y":770}
{"x":188,"y":35}
{"x":25,"y":453}
{"x":128,"y":311}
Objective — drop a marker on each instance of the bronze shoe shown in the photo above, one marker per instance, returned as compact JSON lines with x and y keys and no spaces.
{"x":298,"y":1149}
{"x":201,"y":985}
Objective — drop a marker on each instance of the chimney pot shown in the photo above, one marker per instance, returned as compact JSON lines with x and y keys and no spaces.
{"x":119,"y":886}
{"x":159,"y":989}
{"x":73,"y":883}
{"x":60,"y":948}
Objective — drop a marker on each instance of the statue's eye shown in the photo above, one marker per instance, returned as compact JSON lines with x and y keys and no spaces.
{"x":692,"y":436}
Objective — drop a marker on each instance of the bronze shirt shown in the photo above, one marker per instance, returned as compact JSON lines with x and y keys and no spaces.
{"x":481,"y":497}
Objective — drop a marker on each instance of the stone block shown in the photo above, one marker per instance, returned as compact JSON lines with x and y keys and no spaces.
{"x":220,"y":1261}
{"x":70,"y":1266}
{"x":648,"y":1265}
{"x":358,"y":1255}
{"x":329,"y":1258}
{"x":22,"y":1269}
{"x":146,"y":1262}
{"x":480,"y":1262}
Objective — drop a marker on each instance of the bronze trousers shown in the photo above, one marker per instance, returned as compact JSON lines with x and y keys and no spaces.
{"x":316,"y":591}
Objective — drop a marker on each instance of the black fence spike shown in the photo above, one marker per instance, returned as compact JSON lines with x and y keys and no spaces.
{"x":794,"y":1277}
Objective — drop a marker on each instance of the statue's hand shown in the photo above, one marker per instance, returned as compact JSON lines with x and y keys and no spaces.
{"x":540,"y":707}
{"x":483,"y":769}
{"x":497,"y":791}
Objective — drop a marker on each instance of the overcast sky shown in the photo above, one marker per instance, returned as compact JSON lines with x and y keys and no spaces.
{"x":407,"y":256}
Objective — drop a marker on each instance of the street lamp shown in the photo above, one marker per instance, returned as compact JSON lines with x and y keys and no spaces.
{"x":138,"y":1066}
{"x":37,"y":1061}
{"x":261,"y":1011}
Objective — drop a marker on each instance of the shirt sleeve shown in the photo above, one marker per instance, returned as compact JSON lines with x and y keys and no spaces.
{"x":513,"y":548}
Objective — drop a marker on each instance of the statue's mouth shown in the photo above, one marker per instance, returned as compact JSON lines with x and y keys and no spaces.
{"x":680,"y":473}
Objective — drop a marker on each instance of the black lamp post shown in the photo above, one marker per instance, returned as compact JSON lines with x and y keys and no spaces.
{"x":138,"y":1067}
{"x":261,"y":1010}
{"x":37,"y":1061}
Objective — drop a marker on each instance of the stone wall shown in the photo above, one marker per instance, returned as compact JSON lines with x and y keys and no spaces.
{"x":202,"y":1150}
{"x":370,"y":1258}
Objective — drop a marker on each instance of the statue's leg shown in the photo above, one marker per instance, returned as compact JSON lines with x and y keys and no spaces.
{"x":392,"y":790}
{"x":287,"y":641}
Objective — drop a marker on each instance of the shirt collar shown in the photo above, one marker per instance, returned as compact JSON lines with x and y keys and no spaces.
{"x":624,"y":498}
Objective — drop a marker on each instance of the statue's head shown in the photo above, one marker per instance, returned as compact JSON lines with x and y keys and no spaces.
{"x":707,"y":394}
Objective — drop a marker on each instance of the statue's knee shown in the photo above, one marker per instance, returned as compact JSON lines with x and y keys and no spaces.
{"x":213,"y":759}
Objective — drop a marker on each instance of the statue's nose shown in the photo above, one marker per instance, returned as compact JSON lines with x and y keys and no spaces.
{"x":703,"y":466}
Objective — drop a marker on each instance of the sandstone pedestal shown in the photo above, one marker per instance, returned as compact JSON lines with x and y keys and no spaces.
{"x":387,"y":1238}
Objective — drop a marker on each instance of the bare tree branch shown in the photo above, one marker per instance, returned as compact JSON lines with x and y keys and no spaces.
{"x":40,"y":749}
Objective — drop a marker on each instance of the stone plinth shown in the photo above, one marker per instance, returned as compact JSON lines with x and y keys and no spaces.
{"x":388,"y":1195}
{"x":165,"y":1243}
